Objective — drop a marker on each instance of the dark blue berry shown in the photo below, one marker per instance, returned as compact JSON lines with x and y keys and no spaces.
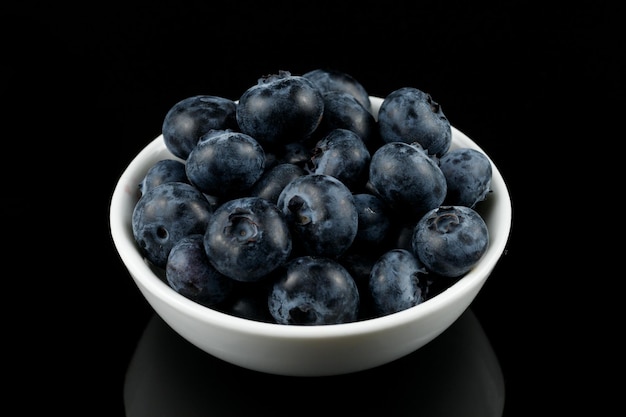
{"x":166,"y":214}
{"x":165,"y":170}
{"x":450,"y":240}
{"x":407,"y":179}
{"x":342,"y":154}
{"x":248,"y":300}
{"x":410,"y":115}
{"x":189,"y":272}
{"x":327,"y":79}
{"x":468,"y":175}
{"x":192,"y":117}
{"x":374,"y":220}
{"x":225,"y":163}
{"x":281,"y":108}
{"x":272,"y":182}
{"x":321,"y":214}
{"x":397,"y":282}
{"x":344,"y":111}
{"x":314,"y":291}
{"x":247,"y":238}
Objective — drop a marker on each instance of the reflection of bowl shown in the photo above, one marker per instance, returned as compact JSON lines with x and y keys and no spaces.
{"x":455,"y":375}
{"x":304,"y":350}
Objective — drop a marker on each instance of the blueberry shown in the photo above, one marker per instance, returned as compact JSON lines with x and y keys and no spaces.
{"x":166,"y":214}
{"x":297,"y":153}
{"x":407,"y":179}
{"x":327,"y":79}
{"x":401,"y":234}
{"x":248,"y":300}
{"x":189,"y":272}
{"x":279,"y":109}
{"x":314,"y":291}
{"x":468,"y":175}
{"x":272,"y":182}
{"x":225,"y":163}
{"x":165,"y":170}
{"x":374,"y":220}
{"x":410,"y":115}
{"x":343,"y":110}
{"x":192,"y":117}
{"x":321,"y":214}
{"x":342,"y":154}
{"x":450,"y":240}
{"x":247,"y":238}
{"x":359,"y":264}
{"x":397,"y":282}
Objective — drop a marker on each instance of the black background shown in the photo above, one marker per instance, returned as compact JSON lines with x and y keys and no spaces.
{"x":86,"y":87}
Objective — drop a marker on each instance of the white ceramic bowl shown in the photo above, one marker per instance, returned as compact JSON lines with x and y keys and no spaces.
{"x":305,"y":350}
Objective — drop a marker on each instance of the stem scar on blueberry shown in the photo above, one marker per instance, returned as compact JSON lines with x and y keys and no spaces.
{"x":298,"y":207}
{"x":162,"y":233}
{"x":241,"y":228}
{"x":446,"y":222}
{"x":311,"y":164}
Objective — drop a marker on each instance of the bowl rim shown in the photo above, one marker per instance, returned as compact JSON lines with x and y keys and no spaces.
{"x":144,"y":276}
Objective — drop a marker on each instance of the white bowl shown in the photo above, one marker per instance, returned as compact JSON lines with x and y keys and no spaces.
{"x":305,"y":350}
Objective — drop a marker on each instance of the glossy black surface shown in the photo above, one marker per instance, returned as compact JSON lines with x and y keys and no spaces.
{"x":84,"y":89}
{"x":456,"y":375}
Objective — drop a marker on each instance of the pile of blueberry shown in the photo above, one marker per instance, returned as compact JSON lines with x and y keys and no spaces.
{"x":296,"y":205}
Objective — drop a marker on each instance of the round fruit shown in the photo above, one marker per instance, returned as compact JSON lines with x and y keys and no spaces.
{"x":407,"y":179}
{"x":279,"y":109}
{"x":314,"y":291}
{"x":192,"y":117}
{"x":450,"y":240}
{"x":247,"y":238}
{"x":166,"y":214}
{"x":411,"y":115}
{"x":397,"y":282}
{"x":468,"y":175}
{"x":321,"y":213}
{"x":189,"y":272}
{"x":225,"y":163}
